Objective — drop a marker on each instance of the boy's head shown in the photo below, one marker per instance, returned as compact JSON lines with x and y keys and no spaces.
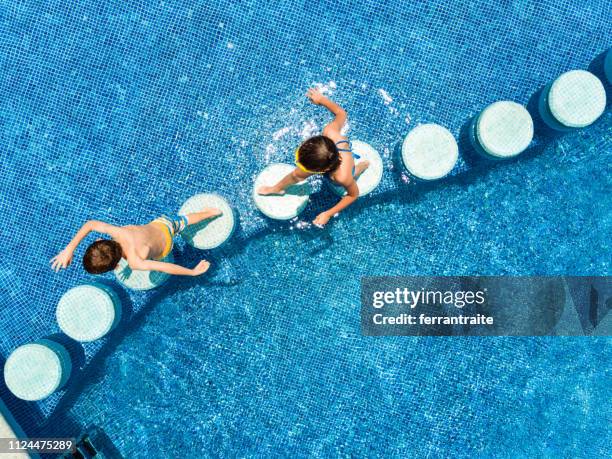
{"x":102,"y":256}
{"x":318,"y":155}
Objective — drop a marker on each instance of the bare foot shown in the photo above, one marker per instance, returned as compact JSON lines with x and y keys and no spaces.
{"x":212,"y":212}
{"x":268,"y":190}
{"x":360,"y":167}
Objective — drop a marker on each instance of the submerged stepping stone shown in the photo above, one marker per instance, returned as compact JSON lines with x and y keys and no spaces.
{"x":280,"y":207}
{"x":36,"y":370}
{"x":210,"y":233}
{"x":574,"y":100}
{"x":88,"y":312}
{"x":502,"y":130}
{"x":141,"y":280}
{"x":371,"y":177}
{"x":429,"y":152}
{"x":608,"y":65}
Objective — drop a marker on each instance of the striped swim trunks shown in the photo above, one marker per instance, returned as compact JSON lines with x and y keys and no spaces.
{"x":172,"y":227}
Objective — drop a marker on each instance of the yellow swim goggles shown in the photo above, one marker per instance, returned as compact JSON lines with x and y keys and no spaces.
{"x":301,"y":166}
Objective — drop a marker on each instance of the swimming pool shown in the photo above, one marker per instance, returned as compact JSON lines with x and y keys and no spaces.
{"x":122,"y":111}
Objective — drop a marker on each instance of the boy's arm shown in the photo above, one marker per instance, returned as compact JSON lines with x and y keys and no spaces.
{"x":64,"y":258}
{"x":352,"y":193}
{"x":332,"y":129}
{"x":296,"y":176}
{"x":169,"y":268}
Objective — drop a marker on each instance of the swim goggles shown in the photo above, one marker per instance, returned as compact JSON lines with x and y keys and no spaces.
{"x":301,"y":166}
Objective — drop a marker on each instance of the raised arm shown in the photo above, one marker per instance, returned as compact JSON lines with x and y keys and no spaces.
{"x":169,"y":268}
{"x":332,"y":129}
{"x":64,"y":258}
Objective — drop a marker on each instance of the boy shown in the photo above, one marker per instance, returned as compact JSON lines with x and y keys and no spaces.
{"x":328,"y":154}
{"x":143,"y":246}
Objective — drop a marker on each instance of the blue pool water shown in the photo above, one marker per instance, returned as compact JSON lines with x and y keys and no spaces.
{"x":121,"y":111}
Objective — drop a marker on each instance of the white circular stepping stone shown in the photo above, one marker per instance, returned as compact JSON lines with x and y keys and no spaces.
{"x":141,"y":280}
{"x":88,"y":312}
{"x":371,"y":177}
{"x":278,"y":207}
{"x":608,"y":65}
{"x":429,"y":152}
{"x":36,"y":370}
{"x":210,"y":233}
{"x":574,"y":100}
{"x":504,"y":129}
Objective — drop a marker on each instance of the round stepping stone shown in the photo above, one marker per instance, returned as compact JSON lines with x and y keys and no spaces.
{"x":36,"y":370}
{"x":210,"y":233}
{"x":88,"y":312}
{"x":371,"y":177}
{"x":608,"y":65}
{"x":280,"y":207}
{"x":429,"y":152}
{"x":503,"y":130}
{"x":141,"y":280}
{"x":574,"y":100}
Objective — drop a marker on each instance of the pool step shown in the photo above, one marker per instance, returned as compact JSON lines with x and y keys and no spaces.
{"x":94,"y":443}
{"x":576,"y":99}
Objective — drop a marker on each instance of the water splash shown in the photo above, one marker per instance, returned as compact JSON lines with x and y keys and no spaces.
{"x":281,"y":133}
{"x":309,"y":128}
{"x":387,"y":99}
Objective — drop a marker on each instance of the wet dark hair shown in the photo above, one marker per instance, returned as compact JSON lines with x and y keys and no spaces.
{"x":319,"y":154}
{"x":102,"y":256}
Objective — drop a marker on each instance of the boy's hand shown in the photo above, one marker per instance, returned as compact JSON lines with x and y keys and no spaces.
{"x":62,"y":260}
{"x":201,"y":268}
{"x":322,"y":219}
{"x":315,"y":96}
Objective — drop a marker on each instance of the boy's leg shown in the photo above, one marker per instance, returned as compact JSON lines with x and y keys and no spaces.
{"x":360,"y":167}
{"x":197,"y":217}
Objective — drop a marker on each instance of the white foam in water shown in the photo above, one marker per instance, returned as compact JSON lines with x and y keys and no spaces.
{"x":346,"y":128}
{"x":577,"y":98}
{"x":309,"y":128}
{"x":327,"y":89}
{"x":280,"y":133}
{"x":88,"y":312}
{"x":208,"y":234}
{"x":270,"y":150}
{"x":36,"y":370}
{"x":429,"y":152}
{"x":284,"y":207}
{"x":504,"y":129}
{"x":141,"y":280}
{"x":387,"y":99}
{"x":371,"y":177}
